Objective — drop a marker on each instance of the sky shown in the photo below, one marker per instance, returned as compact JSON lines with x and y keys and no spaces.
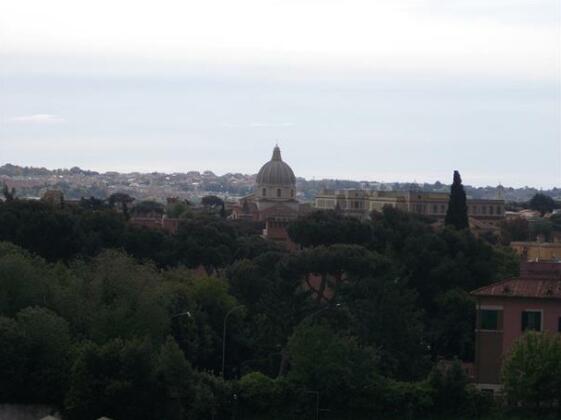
{"x":385,"y":90}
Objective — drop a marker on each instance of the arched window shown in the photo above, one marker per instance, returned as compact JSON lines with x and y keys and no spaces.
{"x":279,"y":192}
{"x":264,"y":192}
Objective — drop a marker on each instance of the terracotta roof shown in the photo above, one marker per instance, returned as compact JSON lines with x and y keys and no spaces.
{"x":528,"y":287}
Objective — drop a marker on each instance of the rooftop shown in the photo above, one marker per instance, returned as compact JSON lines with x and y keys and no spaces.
{"x":537,"y":280}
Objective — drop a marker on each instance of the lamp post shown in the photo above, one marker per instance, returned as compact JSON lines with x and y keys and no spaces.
{"x":319,"y":311}
{"x":180,"y":314}
{"x":224,"y":335}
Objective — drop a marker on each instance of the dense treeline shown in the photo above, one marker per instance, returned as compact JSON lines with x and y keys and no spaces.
{"x":99,"y":317}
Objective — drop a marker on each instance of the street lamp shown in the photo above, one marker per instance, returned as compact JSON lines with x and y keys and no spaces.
{"x":180,"y":314}
{"x":224,"y":335}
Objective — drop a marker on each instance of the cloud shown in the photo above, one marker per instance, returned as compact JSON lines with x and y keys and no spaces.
{"x":517,"y":38}
{"x":38,"y":119}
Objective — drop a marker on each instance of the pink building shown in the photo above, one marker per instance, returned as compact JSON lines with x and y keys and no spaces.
{"x":508,"y":308}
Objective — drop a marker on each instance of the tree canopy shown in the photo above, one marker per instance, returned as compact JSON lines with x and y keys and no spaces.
{"x":542,"y":203}
{"x":101,"y":317}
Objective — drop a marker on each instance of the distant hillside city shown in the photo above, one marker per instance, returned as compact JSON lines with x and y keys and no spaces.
{"x":74,"y":183}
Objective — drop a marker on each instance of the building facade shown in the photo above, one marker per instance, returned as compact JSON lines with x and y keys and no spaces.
{"x":506,"y":309}
{"x":360,"y":203}
{"x":537,"y":251}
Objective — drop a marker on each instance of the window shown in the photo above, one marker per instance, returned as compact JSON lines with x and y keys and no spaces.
{"x":279,"y":192}
{"x":474,"y":209}
{"x":442,"y":208}
{"x":499,"y":210}
{"x":489,"y":319}
{"x":435,"y":208}
{"x":531,"y":321}
{"x":559,"y":326}
{"x":264,"y":192}
{"x":291,"y":193}
{"x":484,"y":209}
{"x":491,"y":209}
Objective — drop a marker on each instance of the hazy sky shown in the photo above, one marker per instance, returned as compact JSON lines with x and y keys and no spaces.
{"x":386,"y":90}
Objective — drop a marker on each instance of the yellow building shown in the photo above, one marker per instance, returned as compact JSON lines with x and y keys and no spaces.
{"x":360,"y":203}
{"x":538,"y":251}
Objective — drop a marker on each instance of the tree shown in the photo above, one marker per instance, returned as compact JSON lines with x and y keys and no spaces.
{"x":9,"y":195}
{"x":23,"y":280}
{"x":531,"y":372}
{"x":212,"y":201}
{"x":122,"y":298}
{"x":450,"y":385}
{"x":123,"y":200}
{"x":47,"y":351}
{"x":457,"y":208}
{"x":328,"y":227}
{"x":540,"y":227}
{"x":333,"y":264}
{"x":13,"y":362}
{"x":176,"y":378}
{"x":451,"y":329}
{"x":178,"y":209}
{"x":542,"y":203}
{"x":396,"y":334}
{"x":329,"y":363}
{"x":116,"y":379}
{"x":92,"y":203}
{"x":148,"y":208}
{"x":515,"y":230}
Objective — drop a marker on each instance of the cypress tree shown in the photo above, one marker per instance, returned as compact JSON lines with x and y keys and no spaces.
{"x":457,"y":208}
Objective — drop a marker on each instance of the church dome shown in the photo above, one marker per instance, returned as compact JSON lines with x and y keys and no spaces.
{"x":276,"y":172}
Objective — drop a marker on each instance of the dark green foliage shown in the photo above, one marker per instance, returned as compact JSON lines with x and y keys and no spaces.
{"x":334,"y":365}
{"x":13,"y":362}
{"x":121,"y":201}
{"x":449,"y":383}
{"x":179,"y":209}
{"x":148,"y":208}
{"x":65,"y":234}
{"x":456,"y":214}
{"x":9,"y":195}
{"x":116,"y":379}
{"x":397,"y":334}
{"x":328,"y":228}
{"x":517,"y":229}
{"x":93,"y":203}
{"x":132,"y":332}
{"x":23,"y":280}
{"x":212,"y":201}
{"x":540,"y":228}
{"x":542,"y":203}
{"x":263,"y":395}
{"x":531,"y":372}
{"x":35,"y":356}
{"x":452,"y":328}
